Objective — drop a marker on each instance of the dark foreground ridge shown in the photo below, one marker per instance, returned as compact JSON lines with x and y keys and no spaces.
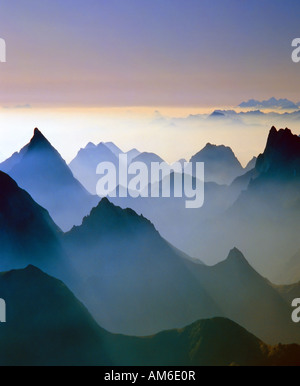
{"x":47,"y":325}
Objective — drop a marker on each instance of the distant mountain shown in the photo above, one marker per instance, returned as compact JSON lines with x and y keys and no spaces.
{"x":221,"y":165}
{"x":132,"y":154}
{"x":264,"y":220}
{"x":250,"y":165}
{"x":113,"y":148}
{"x":85,"y":163}
{"x":27,"y":232}
{"x":39,"y":169}
{"x":147,"y":158}
{"x":271,"y":103}
{"x":248,"y":298}
{"x":56,"y":329}
{"x":171,"y":217}
{"x":136,"y":276}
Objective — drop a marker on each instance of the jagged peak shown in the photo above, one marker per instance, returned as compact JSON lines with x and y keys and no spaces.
{"x":90,"y":145}
{"x":38,"y":139}
{"x":106,"y":212}
{"x":236,"y":256}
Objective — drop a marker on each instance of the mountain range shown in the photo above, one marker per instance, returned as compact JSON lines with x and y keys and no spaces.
{"x":271,"y":103}
{"x":56,"y":329}
{"x":221,"y":165}
{"x":85,"y":163}
{"x":143,"y":282}
{"x":40,"y":170}
{"x":133,"y":281}
{"x":27,"y":232}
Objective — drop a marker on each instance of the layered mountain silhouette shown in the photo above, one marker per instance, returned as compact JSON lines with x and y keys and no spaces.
{"x":143,"y":282}
{"x":248,"y":298}
{"x":85,"y":163}
{"x":263,"y":221}
{"x":27,"y":232}
{"x":136,"y":276}
{"x":47,"y":325}
{"x":271,"y":103}
{"x":39,"y":169}
{"x":221,"y":165}
{"x":250,"y":165}
{"x":169,"y":214}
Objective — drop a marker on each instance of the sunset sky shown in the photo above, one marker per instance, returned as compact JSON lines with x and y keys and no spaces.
{"x":158,"y":54}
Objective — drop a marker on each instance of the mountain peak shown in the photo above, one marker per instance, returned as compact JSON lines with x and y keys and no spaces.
{"x":236,"y":256}
{"x":107,"y":216}
{"x":282,"y":153}
{"x":38,"y":139}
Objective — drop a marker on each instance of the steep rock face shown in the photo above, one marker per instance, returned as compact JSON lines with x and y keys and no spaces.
{"x":264,"y":220}
{"x":281,"y":156}
{"x":39,"y":169}
{"x":27,"y":232}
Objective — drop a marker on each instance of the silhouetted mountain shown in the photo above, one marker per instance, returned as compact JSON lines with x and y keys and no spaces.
{"x":214,"y":342}
{"x":221,"y":165}
{"x":84,"y":165}
{"x":113,"y":148}
{"x":264,"y":221}
{"x":39,"y":169}
{"x":27,"y":232}
{"x":131,"y":154}
{"x":250,"y":165}
{"x":136,"y":276}
{"x":272,"y":103}
{"x":143,"y":282}
{"x":147,"y":158}
{"x":56,"y":329}
{"x":248,"y":298}
{"x":171,"y":217}
{"x":281,"y":157}
{"x":46,"y":325}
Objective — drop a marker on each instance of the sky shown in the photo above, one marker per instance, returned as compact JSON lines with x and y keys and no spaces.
{"x":140,"y":54}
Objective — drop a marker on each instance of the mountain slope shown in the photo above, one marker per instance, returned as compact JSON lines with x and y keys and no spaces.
{"x":39,"y":169}
{"x":143,"y":282}
{"x":134,"y":274}
{"x":46,"y":325}
{"x":221,"y":165}
{"x":248,"y":298}
{"x":85,"y":163}
{"x":27,"y":232}
{"x":264,"y":220}
{"x":56,"y":329}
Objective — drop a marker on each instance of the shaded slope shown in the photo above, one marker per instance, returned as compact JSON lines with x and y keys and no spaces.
{"x":132,"y":273}
{"x":47,"y":325}
{"x":39,"y":169}
{"x":221,"y":165}
{"x":27,"y":232}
